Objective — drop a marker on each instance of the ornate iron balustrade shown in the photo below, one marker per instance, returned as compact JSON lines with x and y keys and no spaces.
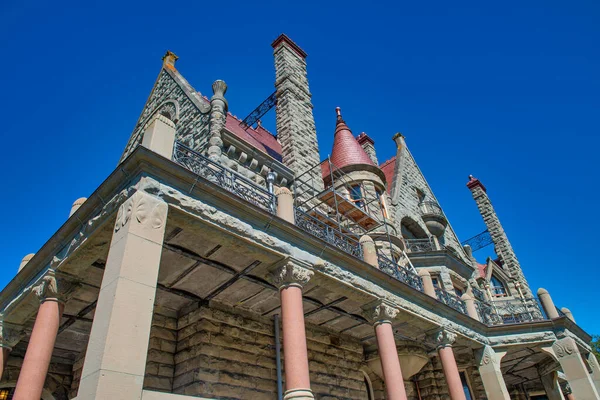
{"x":487,"y":315}
{"x":430,"y":207}
{"x":478,"y":294}
{"x":517,"y":311}
{"x":451,"y":300}
{"x":223,"y":177}
{"x":328,"y":233}
{"x":420,"y":245}
{"x":402,"y":274}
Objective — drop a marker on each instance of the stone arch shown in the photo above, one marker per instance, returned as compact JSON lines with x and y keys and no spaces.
{"x":411,"y":229}
{"x":46,"y":394}
{"x":170,"y":109}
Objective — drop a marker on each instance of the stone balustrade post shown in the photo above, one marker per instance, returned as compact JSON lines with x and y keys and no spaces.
{"x":217,"y":119}
{"x":25,"y":260}
{"x":115,"y":360}
{"x":369,"y":251}
{"x":290,"y":279}
{"x":444,"y":340}
{"x":547,"y":303}
{"x":76,"y":204}
{"x":567,"y":353}
{"x":159,"y":135}
{"x":470,"y":305}
{"x":568,"y":313}
{"x":381,"y":316}
{"x":491,"y":374}
{"x":50,"y":292}
{"x":285,"y":204}
{"x":428,"y":287}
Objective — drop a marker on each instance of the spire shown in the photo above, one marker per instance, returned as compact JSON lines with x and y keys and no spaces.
{"x":346,"y":150}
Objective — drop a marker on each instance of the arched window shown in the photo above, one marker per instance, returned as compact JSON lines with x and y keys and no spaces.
{"x":497,"y":287}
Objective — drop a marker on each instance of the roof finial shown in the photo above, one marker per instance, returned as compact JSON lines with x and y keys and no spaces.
{"x":338,"y":111}
{"x":169,"y":59}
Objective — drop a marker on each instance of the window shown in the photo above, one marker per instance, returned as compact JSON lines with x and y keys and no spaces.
{"x":436,"y":282}
{"x":459,"y":292}
{"x":382,"y":204}
{"x":497,"y":288}
{"x":7,"y":394}
{"x":356,"y":196}
{"x":465,"y":385}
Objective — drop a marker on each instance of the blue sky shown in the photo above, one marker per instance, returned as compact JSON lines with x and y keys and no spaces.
{"x":508,"y":92}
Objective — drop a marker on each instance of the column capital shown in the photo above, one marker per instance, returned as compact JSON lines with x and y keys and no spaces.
{"x":380,"y":312}
{"x":487,"y":355}
{"x":10,"y":335}
{"x":565,"y":347}
{"x":291,"y":274}
{"x":443,"y":338}
{"x":52,"y":288}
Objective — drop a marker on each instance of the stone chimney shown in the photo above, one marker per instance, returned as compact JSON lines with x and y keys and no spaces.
{"x":295,"y":122}
{"x":502,"y":246}
{"x":369,"y":146}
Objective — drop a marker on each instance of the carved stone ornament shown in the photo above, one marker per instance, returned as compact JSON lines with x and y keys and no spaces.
{"x":291,"y":275}
{"x":10,"y":336}
{"x":144,"y":209}
{"x":444,"y":338}
{"x":488,"y":356}
{"x":564,"y":347}
{"x":48,"y":288}
{"x":382,"y":313}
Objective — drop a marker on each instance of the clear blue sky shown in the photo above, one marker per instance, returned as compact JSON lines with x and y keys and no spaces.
{"x":508,"y":92}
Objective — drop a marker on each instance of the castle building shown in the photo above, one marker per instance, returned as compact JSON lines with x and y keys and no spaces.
{"x":221,"y":261}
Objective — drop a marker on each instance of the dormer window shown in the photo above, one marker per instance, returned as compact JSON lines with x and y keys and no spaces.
{"x":497,"y":287}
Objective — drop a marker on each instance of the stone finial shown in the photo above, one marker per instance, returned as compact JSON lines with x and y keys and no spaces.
{"x":567,"y":313}
{"x":169,"y":59}
{"x":547,"y":303}
{"x":25,"y":260}
{"x":398,"y":138}
{"x":219,"y":88}
{"x":443,"y":338}
{"x":291,"y":275}
{"x":218,"y":117}
{"x":77,"y":204}
{"x":380,"y":312}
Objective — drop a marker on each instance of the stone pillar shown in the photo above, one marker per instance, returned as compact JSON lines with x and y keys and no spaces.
{"x":9,"y":337}
{"x":294,"y":112}
{"x":567,"y":353}
{"x":595,"y":370}
{"x":568,"y":313}
{"x":381,"y":316}
{"x":291,"y":278}
{"x":551,"y":386}
{"x":369,"y":251}
{"x":285,"y":204}
{"x":41,"y":343}
{"x":159,"y":135}
{"x":25,"y":260}
{"x":491,"y":375}
{"x":115,"y":361}
{"x":547,"y":303}
{"x":501,"y":242}
{"x":444,"y":340}
{"x":428,"y":287}
{"x":470,"y":304}
{"x":218,"y":117}
{"x":76,"y":205}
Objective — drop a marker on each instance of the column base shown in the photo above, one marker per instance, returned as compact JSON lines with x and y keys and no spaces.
{"x":298,"y":394}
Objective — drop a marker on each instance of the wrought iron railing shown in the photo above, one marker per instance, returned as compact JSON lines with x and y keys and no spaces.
{"x":402,"y":274}
{"x":511,"y":311}
{"x":451,"y":300}
{"x":430,"y":207}
{"x":328,"y":233}
{"x":223,"y":177}
{"x":420,"y":245}
{"x":478,"y":294}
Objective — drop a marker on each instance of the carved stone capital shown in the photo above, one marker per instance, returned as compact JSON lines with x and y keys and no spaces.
{"x":443,"y":338}
{"x":291,"y":274}
{"x":10,"y":335}
{"x":565,"y":347}
{"x":380,"y":312}
{"x":143,"y":210}
{"x":487,"y":356}
{"x":51,"y":288}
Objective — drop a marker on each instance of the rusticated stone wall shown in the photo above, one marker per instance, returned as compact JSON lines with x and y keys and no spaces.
{"x":222,"y":354}
{"x":160,"y":365}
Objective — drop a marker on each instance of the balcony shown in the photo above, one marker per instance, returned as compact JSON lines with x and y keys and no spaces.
{"x":451,"y":299}
{"x":420,"y":245}
{"x":434,"y":217}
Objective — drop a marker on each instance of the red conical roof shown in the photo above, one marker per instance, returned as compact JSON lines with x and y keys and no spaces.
{"x":346,"y":150}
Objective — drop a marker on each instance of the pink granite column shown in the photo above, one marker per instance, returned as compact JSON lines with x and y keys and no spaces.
{"x":41,"y":343}
{"x":381,"y":316}
{"x":444,"y":340}
{"x":290,"y":279}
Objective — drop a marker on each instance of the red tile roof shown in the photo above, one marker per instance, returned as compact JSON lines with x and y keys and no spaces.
{"x":258,"y":138}
{"x":481,"y":268}
{"x":346,"y":150}
{"x":389,"y":169}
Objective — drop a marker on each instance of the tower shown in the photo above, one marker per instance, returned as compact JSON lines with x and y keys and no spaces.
{"x":501,"y":243}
